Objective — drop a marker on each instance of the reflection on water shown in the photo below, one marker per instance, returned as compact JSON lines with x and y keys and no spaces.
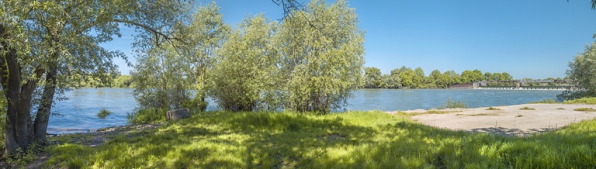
{"x":80,"y":111}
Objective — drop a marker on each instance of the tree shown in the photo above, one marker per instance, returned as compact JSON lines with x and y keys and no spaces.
{"x":488,"y":76}
{"x":43,"y":44}
{"x":322,"y":56}
{"x":245,"y":73}
{"x":372,"y":77}
{"x":439,"y":79}
{"x":453,"y":77}
{"x":582,"y":70}
{"x":409,"y":78}
{"x":167,"y":75}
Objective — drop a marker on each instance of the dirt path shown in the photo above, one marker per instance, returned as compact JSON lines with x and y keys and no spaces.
{"x":508,"y":120}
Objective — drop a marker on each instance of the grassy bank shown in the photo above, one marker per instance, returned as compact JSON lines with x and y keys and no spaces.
{"x":341,"y":140}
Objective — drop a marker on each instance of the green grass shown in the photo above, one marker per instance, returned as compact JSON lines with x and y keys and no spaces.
{"x":545,"y":101}
{"x":103,"y":113}
{"x":526,"y":108}
{"x":585,"y":109}
{"x":585,"y":100}
{"x":492,"y":108}
{"x":560,"y":108}
{"x":338,"y":140}
{"x":453,"y":104}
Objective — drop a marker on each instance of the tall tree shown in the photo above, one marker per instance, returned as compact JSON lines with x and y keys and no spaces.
{"x":48,"y":42}
{"x":322,"y":56}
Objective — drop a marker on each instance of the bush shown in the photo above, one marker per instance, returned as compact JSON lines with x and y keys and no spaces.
{"x":147,"y":116}
{"x":585,"y":100}
{"x":103,"y":113}
{"x":453,"y":104}
{"x":547,"y":101}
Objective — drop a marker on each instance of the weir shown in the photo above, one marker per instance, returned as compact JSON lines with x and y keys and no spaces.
{"x":565,"y":84}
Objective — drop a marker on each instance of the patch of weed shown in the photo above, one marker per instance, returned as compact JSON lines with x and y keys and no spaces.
{"x":585,"y":109}
{"x":103,"y":113}
{"x":585,"y":100}
{"x":492,"y":108}
{"x":526,"y":108}
{"x":545,"y":101}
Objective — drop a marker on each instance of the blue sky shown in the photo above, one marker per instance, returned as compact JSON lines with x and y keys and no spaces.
{"x":530,"y":38}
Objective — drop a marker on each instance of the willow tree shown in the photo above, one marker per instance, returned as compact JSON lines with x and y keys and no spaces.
{"x":167,"y":75}
{"x":43,"y":44}
{"x":244,"y":75}
{"x":583,"y":73}
{"x":322,"y":56}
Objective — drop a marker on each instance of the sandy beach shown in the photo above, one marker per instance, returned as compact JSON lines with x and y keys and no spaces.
{"x":508,"y":120}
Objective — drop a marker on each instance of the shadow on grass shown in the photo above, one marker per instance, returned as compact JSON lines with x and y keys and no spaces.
{"x":346,"y":140}
{"x":510,"y":132}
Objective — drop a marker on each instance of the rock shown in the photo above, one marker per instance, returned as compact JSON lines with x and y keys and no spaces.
{"x":177,"y":114}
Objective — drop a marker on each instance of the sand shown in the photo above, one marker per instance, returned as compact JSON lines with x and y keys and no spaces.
{"x":509,"y":120}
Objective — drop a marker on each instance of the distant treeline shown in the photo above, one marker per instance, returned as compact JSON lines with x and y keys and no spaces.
{"x":118,"y":81}
{"x":406,"y":77}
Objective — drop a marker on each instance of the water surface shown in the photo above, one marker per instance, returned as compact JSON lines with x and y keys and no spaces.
{"x":80,"y":111}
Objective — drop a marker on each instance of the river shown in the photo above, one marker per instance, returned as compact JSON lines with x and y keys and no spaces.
{"x":79,"y":112}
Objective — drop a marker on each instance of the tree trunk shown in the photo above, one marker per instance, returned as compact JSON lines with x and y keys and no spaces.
{"x":43,"y":113}
{"x":16,"y":135}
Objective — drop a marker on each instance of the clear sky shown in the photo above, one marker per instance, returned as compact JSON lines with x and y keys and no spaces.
{"x":531,"y":38}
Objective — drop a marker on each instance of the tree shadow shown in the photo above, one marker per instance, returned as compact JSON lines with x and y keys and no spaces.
{"x":510,"y":132}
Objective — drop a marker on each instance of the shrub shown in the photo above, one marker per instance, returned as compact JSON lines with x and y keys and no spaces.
{"x":585,"y":109}
{"x":492,"y":108}
{"x":453,"y":104}
{"x":526,"y":108}
{"x":547,"y":101}
{"x":103,"y":113}
{"x":147,"y":115}
{"x":585,"y":100}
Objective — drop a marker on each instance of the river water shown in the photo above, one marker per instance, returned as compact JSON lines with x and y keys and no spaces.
{"x":79,"y":113}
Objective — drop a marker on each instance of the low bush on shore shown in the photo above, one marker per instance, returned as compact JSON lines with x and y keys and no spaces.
{"x":149,"y":115}
{"x":453,"y":104}
{"x":337,"y":140}
{"x":585,"y":100}
{"x":545,"y":101}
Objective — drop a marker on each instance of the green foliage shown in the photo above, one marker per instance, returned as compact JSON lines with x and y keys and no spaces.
{"x":492,"y":108}
{"x":103,"y":113}
{"x":22,"y":158}
{"x":453,"y":104}
{"x":545,"y":101}
{"x":583,"y":72}
{"x":372,"y":77}
{"x":585,"y":109}
{"x":147,"y":115}
{"x":245,"y":72}
{"x":338,"y":140}
{"x":124,"y":81}
{"x":167,"y":75}
{"x":526,"y":108}
{"x":585,"y":100}
{"x":322,"y":64}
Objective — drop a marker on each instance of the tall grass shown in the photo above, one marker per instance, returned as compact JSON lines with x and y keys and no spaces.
{"x":453,"y":104}
{"x":545,"y":101}
{"x":339,"y":140}
{"x":585,"y":100}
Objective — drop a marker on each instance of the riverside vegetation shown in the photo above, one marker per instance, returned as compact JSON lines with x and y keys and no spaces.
{"x":252,"y":71}
{"x":339,"y":140}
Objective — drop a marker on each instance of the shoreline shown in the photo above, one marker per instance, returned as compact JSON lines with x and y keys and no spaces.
{"x":514,"y":120}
